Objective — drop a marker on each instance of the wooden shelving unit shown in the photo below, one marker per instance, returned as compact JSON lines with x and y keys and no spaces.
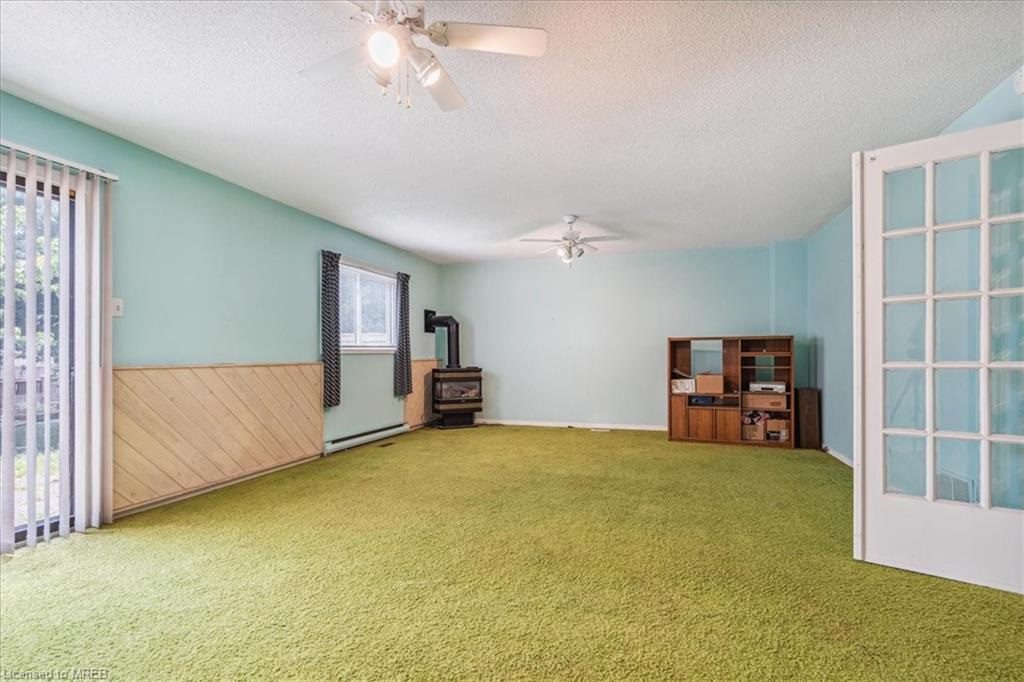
{"x":745,"y":359}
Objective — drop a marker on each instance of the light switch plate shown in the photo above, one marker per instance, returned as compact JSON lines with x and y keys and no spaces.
{"x":117,"y":307}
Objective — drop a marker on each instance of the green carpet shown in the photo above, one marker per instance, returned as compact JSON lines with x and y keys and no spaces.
{"x":498,"y":553}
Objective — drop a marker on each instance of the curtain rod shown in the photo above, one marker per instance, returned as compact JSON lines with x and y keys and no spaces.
{"x":28,"y":151}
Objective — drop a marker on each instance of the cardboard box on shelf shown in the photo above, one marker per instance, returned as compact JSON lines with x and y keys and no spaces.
{"x":710,"y":383}
{"x":753,"y":431}
{"x":777,"y":425}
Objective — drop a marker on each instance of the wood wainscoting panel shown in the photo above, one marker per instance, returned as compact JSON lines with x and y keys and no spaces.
{"x":417,"y":403}
{"x":180,"y":429}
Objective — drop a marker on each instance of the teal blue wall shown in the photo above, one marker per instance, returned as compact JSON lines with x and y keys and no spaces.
{"x":830,"y":328}
{"x":598,"y":358}
{"x":211,"y":272}
{"x":830,"y":287}
{"x":587,"y":344}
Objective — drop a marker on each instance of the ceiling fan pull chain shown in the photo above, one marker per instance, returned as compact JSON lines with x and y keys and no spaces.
{"x":408,"y":92}
{"x":405,"y":84}
{"x":398,"y":88}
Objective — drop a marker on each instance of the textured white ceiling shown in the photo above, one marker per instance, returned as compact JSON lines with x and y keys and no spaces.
{"x":674,"y":124}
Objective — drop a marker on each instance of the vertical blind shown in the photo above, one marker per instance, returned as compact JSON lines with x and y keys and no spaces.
{"x":55,"y":360}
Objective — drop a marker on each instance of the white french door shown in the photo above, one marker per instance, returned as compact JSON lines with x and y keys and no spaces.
{"x":939,"y":321}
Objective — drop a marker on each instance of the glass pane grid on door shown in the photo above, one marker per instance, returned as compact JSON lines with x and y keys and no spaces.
{"x":953,"y":326}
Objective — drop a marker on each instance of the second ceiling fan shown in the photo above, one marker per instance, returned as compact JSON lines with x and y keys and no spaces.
{"x":573,"y":244}
{"x":391,"y":54}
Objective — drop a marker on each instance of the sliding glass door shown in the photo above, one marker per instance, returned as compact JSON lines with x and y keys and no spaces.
{"x":37,"y":219}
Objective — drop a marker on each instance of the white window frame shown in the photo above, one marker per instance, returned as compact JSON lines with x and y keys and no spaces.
{"x":354,"y":343}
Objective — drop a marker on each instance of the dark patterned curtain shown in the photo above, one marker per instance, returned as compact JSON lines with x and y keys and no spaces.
{"x":330,"y":332}
{"x":403,"y":354}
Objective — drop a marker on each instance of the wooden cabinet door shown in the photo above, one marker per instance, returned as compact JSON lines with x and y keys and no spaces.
{"x":677,"y":417}
{"x":727,"y":424}
{"x":701,"y":423}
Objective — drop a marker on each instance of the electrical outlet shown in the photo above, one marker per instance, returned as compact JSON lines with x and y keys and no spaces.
{"x":117,"y":307}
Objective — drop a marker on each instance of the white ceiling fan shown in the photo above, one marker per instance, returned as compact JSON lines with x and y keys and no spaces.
{"x":573,"y":244}
{"x":389,"y":50}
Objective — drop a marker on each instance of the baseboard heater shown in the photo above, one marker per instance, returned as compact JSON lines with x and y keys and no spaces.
{"x":347,"y":442}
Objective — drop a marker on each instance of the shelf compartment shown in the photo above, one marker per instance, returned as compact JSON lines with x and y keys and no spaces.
{"x":714,"y":407}
{"x":766,"y":345}
{"x":765,"y":402}
{"x":718,"y":401}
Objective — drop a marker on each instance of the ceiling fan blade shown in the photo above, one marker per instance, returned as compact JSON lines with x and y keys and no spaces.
{"x":336,"y":64}
{"x":356,"y":10}
{"x":445,"y":93}
{"x":587,"y":246}
{"x":528,"y":42}
{"x":587,"y":240}
{"x":411,"y":9}
{"x":550,"y":241}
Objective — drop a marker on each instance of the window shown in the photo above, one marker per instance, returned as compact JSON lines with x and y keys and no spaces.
{"x":366,"y":309}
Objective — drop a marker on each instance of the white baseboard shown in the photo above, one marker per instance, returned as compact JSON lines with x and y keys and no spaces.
{"x":838,"y":455}
{"x":573,"y":425}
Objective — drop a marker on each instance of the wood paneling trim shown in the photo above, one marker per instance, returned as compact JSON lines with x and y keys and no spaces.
{"x":225,"y":418}
{"x":180,"y":429}
{"x":302,"y":366}
{"x":417,"y":403}
{"x":219,"y":389}
{"x":125,"y":507}
{"x":144,"y":471}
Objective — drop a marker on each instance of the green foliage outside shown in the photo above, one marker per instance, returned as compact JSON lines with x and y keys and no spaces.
{"x":42,"y":288}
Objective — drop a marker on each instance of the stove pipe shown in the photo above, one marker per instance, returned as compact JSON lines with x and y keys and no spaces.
{"x":452,"y":325}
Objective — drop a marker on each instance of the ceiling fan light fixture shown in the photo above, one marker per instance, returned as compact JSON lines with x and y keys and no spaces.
{"x":390,"y":41}
{"x":384,"y":49}
{"x":426,"y":66}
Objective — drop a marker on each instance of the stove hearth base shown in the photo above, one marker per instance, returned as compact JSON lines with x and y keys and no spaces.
{"x":458,"y":420}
